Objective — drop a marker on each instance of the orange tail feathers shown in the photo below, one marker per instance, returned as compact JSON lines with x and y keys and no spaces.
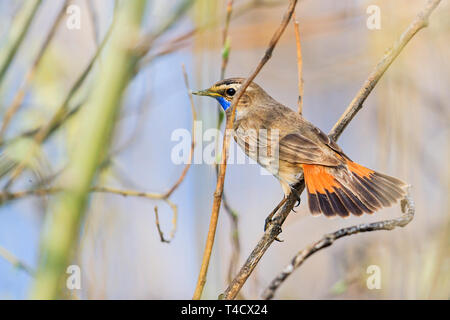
{"x":349,"y":188}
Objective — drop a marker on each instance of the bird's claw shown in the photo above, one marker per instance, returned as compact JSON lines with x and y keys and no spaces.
{"x":297,"y":195}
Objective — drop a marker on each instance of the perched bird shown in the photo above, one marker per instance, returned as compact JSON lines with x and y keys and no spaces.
{"x":286,"y":144}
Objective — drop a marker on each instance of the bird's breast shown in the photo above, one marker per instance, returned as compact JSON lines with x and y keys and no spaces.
{"x":259,"y":144}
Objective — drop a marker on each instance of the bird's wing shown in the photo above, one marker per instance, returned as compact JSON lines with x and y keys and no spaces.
{"x":284,"y":136}
{"x":297,"y":149}
{"x":310,"y":146}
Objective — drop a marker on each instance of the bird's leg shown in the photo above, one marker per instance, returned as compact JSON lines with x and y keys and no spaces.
{"x":269,"y":217}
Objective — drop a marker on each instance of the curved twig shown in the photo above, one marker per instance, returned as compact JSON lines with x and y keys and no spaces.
{"x":420,"y":22}
{"x":226,"y":142}
{"x":408,"y":209}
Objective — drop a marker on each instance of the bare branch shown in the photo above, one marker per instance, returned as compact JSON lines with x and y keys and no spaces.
{"x":226,"y":141}
{"x":191,"y":154}
{"x":17,"y":34}
{"x":147,"y":41}
{"x":421,"y":21}
{"x":274,"y":229}
{"x":94,"y":20}
{"x":234,"y":232}
{"x":408,"y":208}
{"x":299,"y":66}
{"x":61,"y":114}
{"x":174,"y":223}
{"x":8,"y":256}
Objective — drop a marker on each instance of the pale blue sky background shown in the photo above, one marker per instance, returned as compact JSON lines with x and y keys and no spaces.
{"x":399,"y":132}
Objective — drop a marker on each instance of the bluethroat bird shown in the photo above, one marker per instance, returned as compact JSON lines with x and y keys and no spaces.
{"x":336,"y":185}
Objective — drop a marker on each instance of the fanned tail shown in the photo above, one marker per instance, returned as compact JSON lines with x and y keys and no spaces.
{"x":350,"y":188}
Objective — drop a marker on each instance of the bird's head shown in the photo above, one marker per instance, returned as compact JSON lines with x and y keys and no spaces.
{"x":224,"y":91}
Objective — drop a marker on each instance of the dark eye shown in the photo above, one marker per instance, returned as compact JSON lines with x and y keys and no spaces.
{"x":231,"y":92}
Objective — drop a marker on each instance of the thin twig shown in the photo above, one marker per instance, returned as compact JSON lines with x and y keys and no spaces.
{"x":148,"y":40}
{"x":17,"y":34}
{"x":9,"y":196}
{"x":191,"y":154}
{"x":180,"y":41}
{"x":174,"y":223}
{"x":421,"y":21}
{"x":61,"y":113}
{"x":20,"y":95}
{"x":6,"y":196}
{"x":16,"y":262}
{"x":94,"y":20}
{"x":274,"y":229}
{"x":408,"y":209}
{"x":226,"y":40}
{"x":299,"y":65}
{"x":226,"y":140}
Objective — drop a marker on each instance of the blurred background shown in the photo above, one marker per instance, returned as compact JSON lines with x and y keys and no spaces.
{"x":402,"y":130}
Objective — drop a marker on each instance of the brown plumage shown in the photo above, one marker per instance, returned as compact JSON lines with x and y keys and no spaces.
{"x":286,"y":144}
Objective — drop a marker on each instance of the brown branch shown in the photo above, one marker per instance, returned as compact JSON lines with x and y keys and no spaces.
{"x":274,"y":229}
{"x":421,"y":21}
{"x":94,"y":20}
{"x":408,"y":209}
{"x":8,"y":196}
{"x":149,"y":39}
{"x":17,"y":33}
{"x":226,"y":140}
{"x":20,"y":95}
{"x":299,"y":66}
{"x":174,"y":223}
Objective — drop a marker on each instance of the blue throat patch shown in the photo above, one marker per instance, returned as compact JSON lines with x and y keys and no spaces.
{"x":224,"y":103}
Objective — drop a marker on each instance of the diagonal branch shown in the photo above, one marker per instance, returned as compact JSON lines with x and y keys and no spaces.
{"x":226,"y":142}
{"x":420,"y":22}
{"x":274,"y":229}
{"x":299,"y":66}
{"x":20,"y":95}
